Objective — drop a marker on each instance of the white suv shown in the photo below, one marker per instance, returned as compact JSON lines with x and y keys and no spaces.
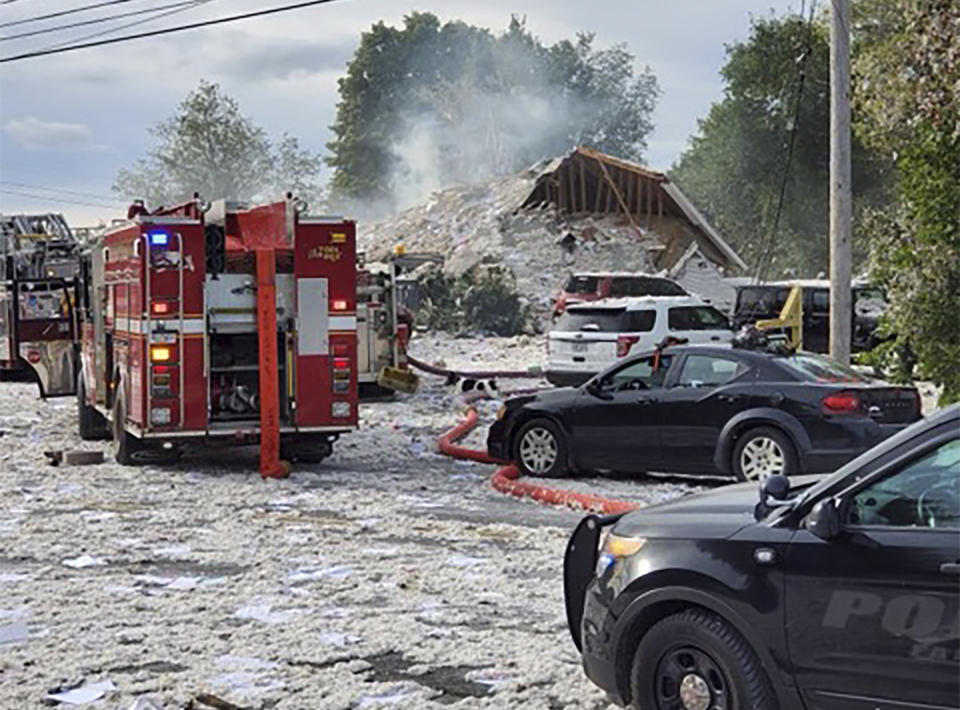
{"x":589,"y":337}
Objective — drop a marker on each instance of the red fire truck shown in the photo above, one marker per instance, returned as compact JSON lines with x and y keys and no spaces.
{"x":221,"y":323}
{"x":39,"y":258}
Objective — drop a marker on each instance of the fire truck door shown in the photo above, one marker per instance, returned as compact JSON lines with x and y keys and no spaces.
{"x":48,"y":341}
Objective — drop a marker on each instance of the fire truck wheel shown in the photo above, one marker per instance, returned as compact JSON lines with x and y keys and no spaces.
{"x":93,"y":426}
{"x":125,"y":445}
{"x":306,"y":451}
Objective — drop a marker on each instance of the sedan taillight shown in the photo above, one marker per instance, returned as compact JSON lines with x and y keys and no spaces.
{"x":624,"y":343}
{"x":842,"y":403}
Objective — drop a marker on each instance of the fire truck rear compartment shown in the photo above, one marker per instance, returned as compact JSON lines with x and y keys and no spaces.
{"x":234,"y":349}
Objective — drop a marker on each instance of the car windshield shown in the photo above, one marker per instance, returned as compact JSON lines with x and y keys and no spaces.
{"x":697,"y":318}
{"x":819,"y":369}
{"x":604,"y":320}
{"x":581,"y":284}
{"x":644,"y":286}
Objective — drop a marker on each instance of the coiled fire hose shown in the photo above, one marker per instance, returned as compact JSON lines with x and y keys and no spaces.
{"x":506,"y":478}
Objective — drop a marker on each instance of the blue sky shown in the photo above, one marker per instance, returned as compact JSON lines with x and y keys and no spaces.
{"x":71,"y":121}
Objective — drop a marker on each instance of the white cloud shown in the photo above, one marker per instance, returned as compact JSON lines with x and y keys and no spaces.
{"x":34,"y":134}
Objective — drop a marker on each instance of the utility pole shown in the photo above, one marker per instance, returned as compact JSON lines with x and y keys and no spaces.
{"x":840,"y":199}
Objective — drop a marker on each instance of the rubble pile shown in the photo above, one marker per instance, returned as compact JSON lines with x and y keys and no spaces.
{"x":481,"y":224}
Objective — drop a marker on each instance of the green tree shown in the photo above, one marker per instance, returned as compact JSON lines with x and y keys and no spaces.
{"x":209,"y":147}
{"x":427,"y":104}
{"x":909,"y":75}
{"x":741,"y":157}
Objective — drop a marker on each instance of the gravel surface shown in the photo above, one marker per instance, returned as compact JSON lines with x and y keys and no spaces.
{"x":388,"y":576}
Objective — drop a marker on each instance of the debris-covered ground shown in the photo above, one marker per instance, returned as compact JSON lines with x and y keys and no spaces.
{"x":388,"y":577}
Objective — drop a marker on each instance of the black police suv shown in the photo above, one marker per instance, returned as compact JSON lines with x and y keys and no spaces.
{"x":704,"y":410}
{"x":838,"y":592}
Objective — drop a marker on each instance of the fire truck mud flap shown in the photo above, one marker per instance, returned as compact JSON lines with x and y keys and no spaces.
{"x":55,"y":363}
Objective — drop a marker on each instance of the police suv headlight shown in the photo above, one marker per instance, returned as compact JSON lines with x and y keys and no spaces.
{"x":616,"y":548}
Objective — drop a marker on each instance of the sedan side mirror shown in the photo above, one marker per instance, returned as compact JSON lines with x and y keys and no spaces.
{"x":824,"y":520}
{"x":595,"y":387}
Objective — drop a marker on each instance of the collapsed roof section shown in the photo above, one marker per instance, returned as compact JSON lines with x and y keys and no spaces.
{"x":590,"y":182}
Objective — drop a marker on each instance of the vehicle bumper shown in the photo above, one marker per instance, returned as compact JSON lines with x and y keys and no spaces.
{"x":598,"y":654}
{"x":498,"y":445}
{"x":865,"y":436}
{"x":568,"y":378}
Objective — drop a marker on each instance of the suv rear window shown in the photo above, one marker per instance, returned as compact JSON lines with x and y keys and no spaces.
{"x":644,"y":286}
{"x":604,"y":320}
{"x":638,"y":321}
{"x":697,"y":318}
{"x":582,"y":284}
{"x":813,"y":368}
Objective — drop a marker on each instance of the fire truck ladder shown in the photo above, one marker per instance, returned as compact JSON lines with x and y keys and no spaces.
{"x":148,"y":302}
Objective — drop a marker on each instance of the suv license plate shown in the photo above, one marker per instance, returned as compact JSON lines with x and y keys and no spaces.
{"x":579,"y":347}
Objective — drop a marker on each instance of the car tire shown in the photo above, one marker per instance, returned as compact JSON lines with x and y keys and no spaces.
{"x":540,"y":449}
{"x":92,"y":425}
{"x":696,"y":659}
{"x":771,"y":452}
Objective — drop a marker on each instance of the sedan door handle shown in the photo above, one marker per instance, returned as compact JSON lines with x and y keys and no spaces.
{"x":950,"y":568}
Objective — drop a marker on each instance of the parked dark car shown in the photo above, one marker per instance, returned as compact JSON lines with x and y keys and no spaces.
{"x":704,"y":410}
{"x":836,"y":592}
{"x":764,"y":301}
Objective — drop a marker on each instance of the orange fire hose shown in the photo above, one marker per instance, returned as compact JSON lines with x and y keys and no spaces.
{"x":506,"y":478}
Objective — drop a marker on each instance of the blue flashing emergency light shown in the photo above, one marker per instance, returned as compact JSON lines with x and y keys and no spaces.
{"x":159,"y":239}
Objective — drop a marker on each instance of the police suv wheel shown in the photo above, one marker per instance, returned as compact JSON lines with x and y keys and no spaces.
{"x":695,"y":660}
{"x":764,"y":452}
{"x":540,"y":449}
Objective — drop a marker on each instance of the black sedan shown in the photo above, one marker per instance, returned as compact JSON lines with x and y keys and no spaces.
{"x":832,"y":592}
{"x":704,"y":410}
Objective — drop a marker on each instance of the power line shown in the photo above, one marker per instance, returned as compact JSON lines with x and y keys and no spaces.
{"x":108,"y":18}
{"x":168,"y":30}
{"x":63,"y":190}
{"x":766,"y":258}
{"x":190,"y":5}
{"x":72,"y":11}
{"x":44,"y":198}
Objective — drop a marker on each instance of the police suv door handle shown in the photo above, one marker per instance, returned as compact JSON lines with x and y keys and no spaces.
{"x":950,"y":568}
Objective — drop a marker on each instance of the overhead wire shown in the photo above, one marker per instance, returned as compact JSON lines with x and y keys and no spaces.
{"x":766,"y":257}
{"x":189,"y":6}
{"x":45,"y":198}
{"x":96,"y":21}
{"x":62,"y":13}
{"x":164,"y":31}
{"x":54,"y":189}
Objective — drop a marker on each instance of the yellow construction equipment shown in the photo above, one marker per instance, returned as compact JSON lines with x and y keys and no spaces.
{"x":791,"y":318}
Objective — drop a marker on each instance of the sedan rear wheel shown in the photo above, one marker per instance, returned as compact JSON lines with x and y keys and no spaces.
{"x":764,"y":452}
{"x":540,"y":449}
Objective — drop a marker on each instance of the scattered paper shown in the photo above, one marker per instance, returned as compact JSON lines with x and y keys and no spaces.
{"x":173,"y":551}
{"x":84,"y":561}
{"x":390,"y":697}
{"x":244,"y":662}
{"x":465,"y":561}
{"x":14,"y":633}
{"x":84,"y":694}
{"x":310,"y":574}
{"x":145,"y":703}
{"x":263,"y":612}
{"x":185,"y":583}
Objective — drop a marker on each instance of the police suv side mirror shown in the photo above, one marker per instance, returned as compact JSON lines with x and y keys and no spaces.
{"x":824,"y":520}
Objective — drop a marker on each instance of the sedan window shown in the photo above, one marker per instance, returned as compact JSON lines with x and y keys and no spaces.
{"x":923,"y":494}
{"x":645,"y":373}
{"x":709,"y":371}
